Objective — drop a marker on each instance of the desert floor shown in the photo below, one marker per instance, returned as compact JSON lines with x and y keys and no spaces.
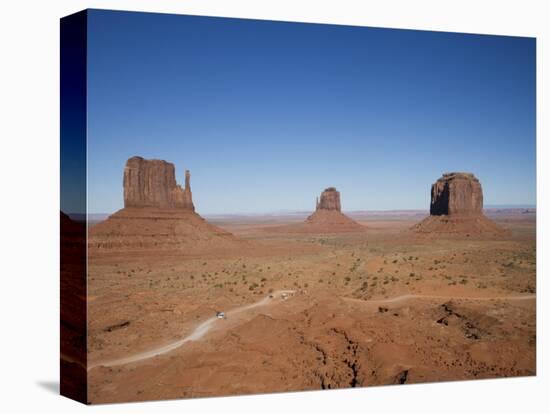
{"x":309,"y":312}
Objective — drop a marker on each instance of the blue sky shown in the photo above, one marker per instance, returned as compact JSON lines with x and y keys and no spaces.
{"x":267,"y":114}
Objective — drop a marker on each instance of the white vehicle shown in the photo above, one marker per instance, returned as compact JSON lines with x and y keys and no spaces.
{"x":220,"y":315}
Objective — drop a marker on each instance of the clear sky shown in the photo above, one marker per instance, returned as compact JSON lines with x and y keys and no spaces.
{"x":268,"y":114}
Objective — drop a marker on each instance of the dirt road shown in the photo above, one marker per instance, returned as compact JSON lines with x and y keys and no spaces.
{"x":199,"y":332}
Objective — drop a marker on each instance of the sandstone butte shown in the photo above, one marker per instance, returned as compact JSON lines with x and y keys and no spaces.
{"x":327,"y":218}
{"x":152,"y":183}
{"x":456,"y":207}
{"x":158,"y":214}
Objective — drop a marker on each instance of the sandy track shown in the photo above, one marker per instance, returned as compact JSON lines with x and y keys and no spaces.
{"x":199,"y":332}
{"x":404,"y":298}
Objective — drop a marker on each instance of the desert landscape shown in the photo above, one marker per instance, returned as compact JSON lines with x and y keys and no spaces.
{"x":181,"y":305}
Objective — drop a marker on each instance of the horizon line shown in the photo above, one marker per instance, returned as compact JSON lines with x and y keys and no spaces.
{"x":292,"y":211}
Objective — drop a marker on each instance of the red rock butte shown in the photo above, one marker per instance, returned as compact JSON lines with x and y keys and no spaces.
{"x":456,"y":194}
{"x":152,"y":183}
{"x":327,"y":218}
{"x":456,"y":207}
{"x":158,"y":214}
{"x":330,"y":200}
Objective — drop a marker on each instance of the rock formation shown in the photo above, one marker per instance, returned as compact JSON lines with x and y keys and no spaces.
{"x":456,"y":207}
{"x":456,"y":193}
{"x":157,"y":214}
{"x":327,"y":218}
{"x":330,"y":200}
{"x":152,"y":183}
